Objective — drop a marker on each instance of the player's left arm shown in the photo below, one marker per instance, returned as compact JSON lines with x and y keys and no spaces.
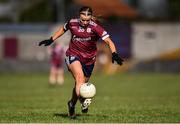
{"x":105,"y":37}
{"x":115,"y":55}
{"x":111,"y":45}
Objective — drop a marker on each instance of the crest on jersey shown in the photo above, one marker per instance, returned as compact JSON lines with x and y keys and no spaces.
{"x":89,"y":30}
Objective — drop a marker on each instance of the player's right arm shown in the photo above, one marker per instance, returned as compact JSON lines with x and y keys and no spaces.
{"x":59,"y":33}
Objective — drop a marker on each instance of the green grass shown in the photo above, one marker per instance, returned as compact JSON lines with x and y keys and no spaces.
{"x":120,"y":98}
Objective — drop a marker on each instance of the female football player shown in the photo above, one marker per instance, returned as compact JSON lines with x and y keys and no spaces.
{"x":81,"y":54}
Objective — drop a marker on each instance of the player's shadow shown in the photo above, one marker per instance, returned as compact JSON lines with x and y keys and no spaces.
{"x":65,"y":115}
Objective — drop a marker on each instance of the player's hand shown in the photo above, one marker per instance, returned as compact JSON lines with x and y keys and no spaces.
{"x":117,"y":58}
{"x":46,"y":42}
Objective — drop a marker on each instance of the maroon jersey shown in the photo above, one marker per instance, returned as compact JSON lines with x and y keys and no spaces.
{"x":84,"y":39}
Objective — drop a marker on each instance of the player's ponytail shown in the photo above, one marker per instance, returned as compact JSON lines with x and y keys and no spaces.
{"x":97,"y":19}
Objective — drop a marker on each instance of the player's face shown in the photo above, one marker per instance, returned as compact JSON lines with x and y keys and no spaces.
{"x":84,"y":20}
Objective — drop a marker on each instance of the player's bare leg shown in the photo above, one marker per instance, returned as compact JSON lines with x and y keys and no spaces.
{"x":76,"y":70}
{"x":71,"y":104}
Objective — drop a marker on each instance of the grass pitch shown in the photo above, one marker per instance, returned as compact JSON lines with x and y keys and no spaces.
{"x":120,"y":98}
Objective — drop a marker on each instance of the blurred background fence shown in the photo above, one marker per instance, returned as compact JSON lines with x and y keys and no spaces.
{"x":146,"y":33}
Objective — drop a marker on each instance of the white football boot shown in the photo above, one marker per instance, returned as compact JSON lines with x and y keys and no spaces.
{"x":85,"y":104}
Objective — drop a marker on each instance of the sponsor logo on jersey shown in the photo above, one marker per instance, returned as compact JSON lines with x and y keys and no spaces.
{"x":81,"y":39}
